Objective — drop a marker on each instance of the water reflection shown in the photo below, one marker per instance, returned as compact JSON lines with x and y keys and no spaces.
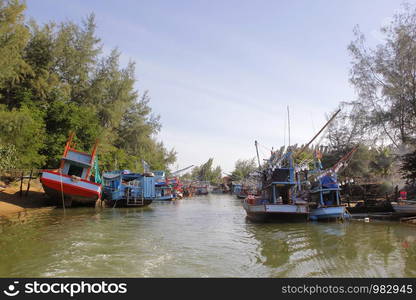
{"x":202,"y":237}
{"x":346,"y":249}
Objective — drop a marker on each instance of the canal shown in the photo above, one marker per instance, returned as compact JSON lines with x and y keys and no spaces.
{"x":205,"y":236}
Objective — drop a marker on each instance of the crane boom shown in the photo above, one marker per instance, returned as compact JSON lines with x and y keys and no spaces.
{"x":319,"y":132}
{"x":181,"y":170}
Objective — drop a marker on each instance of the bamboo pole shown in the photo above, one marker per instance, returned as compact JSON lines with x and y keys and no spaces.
{"x":21,"y":184}
{"x":28,"y":184}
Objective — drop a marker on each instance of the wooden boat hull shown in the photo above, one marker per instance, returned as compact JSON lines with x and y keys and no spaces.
{"x":283,"y":212}
{"x":165,"y":198}
{"x":76,"y":192}
{"x":328,"y":213}
{"x":201,"y":193}
{"x":405,"y":209}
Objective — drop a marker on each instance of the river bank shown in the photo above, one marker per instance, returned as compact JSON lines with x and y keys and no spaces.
{"x":12,"y":203}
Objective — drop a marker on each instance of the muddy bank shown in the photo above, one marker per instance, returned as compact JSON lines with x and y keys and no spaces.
{"x":12,"y":203}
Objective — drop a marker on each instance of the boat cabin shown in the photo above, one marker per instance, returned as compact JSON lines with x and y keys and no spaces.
{"x":326,"y":192}
{"x":77,"y":163}
{"x":281,"y":183}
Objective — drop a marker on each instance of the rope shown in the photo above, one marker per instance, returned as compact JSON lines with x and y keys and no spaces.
{"x":62,"y":190}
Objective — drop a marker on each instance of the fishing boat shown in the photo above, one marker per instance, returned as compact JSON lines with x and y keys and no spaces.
{"x":236,"y":188}
{"x":77,"y":181}
{"x":325,"y":190}
{"x":177,"y":187}
{"x":201,"y":188}
{"x":325,"y":199}
{"x":278,"y":199}
{"x":164,"y":190}
{"x":123,"y":189}
{"x":280,"y":185}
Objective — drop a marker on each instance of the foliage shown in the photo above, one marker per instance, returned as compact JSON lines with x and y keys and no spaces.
{"x":243,"y":168}
{"x":23,"y":129}
{"x":8,"y":156}
{"x":408,"y":167}
{"x":13,"y":39}
{"x":367,"y":163}
{"x":207,"y":172}
{"x":55,"y":79}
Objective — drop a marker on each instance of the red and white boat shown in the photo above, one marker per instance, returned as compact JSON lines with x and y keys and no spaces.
{"x":71,"y":184}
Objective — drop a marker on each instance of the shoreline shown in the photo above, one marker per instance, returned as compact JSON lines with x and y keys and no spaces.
{"x":11,"y":203}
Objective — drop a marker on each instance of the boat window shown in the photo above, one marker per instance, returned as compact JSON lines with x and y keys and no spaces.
{"x":75,"y":170}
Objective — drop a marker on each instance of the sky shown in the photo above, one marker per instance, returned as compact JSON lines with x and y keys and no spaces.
{"x":222,"y":73}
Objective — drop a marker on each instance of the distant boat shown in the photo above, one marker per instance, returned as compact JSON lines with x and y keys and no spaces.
{"x":122,"y":188}
{"x":201,"y":187}
{"x":236,"y":188}
{"x":164,"y":190}
{"x":71,"y":184}
{"x":405,"y":207}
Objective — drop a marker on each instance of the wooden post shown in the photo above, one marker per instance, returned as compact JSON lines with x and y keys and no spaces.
{"x":21,"y":184}
{"x":28,"y":184}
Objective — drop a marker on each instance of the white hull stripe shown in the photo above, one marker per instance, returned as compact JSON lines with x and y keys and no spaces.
{"x":69,"y":181}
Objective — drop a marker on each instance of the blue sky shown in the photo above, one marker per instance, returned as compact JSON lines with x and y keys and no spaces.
{"x":221,"y":73}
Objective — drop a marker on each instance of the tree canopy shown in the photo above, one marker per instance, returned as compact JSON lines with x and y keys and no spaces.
{"x":205,"y":172}
{"x":56,"y":79}
{"x":385,"y":78}
{"x":243,"y":169}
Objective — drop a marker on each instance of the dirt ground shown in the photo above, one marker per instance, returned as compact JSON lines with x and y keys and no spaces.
{"x":11,"y":202}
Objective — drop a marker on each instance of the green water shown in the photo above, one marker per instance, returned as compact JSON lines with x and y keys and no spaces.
{"x":199,"y":237}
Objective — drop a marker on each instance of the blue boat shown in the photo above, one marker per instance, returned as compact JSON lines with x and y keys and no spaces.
{"x":164,"y":191}
{"x":236,"y":188}
{"x":325,"y":191}
{"x":122,"y":188}
{"x":326,"y":199}
{"x":278,"y":200}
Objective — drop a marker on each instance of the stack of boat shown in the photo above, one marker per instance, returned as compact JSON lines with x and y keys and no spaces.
{"x":292,"y":192}
{"x":78,"y":182}
{"x":287,"y":193}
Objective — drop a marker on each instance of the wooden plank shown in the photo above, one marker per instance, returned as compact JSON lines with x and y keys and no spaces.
{"x":21,"y":184}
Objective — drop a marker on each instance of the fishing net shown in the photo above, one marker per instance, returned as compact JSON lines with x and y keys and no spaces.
{"x":96,"y":170}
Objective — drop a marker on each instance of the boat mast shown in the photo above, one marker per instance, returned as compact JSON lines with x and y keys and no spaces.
{"x":288,"y":124}
{"x":257,"y":150}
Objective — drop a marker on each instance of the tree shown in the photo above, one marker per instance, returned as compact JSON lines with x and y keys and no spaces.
{"x":385,"y":78}
{"x":56,"y":80}
{"x":243,"y":169}
{"x":13,"y":39}
{"x":408,"y":167}
{"x":348,"y":128}
{"x":207,"y":172}
{"x":23,"y":129}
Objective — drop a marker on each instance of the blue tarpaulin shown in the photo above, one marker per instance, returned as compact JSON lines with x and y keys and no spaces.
{"x":329,"y":182}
